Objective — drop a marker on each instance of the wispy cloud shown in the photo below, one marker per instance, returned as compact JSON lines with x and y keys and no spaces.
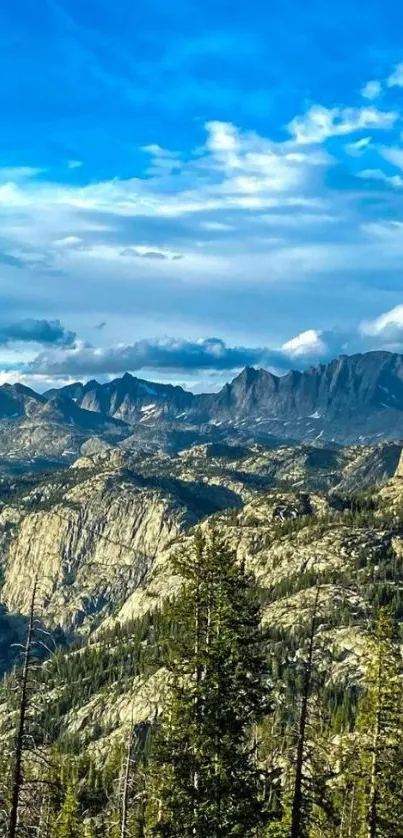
{"x":396,"y":181}
{"x":236,"y":227}
{"x":393,"y":155}
{"x":396,"y":78}
{"x":359,"y":147}
{"x":17,"y":173}
{"x":320,"y":123}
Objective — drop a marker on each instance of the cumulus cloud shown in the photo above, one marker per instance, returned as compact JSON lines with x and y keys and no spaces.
{"x":234,"y":169}
{"x":320,"y":123}
{"x":168,"y":354}
{"x":240,"y":208}
{"x":181,"y":355}
{"x":36,"y":331}
{"x":65,"y":357}
{"x":307,"y":344}
{"x":386,"y":329}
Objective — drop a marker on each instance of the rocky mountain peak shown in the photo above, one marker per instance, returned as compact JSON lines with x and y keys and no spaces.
{"x":352,"y":399}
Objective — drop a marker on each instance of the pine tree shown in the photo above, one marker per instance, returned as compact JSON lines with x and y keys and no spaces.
{"x":69,"y":823}
{"x":207,"y":781}
{"x":299,"y":803}
{"x":374,"y":776}
{"x":304,"y":803}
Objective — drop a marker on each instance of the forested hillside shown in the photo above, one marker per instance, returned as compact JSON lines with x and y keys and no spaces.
{"x":245,"y":680}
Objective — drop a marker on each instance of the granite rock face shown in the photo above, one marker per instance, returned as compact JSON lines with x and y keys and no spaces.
{"x":91,"y":534}
{"x":101,"y":536}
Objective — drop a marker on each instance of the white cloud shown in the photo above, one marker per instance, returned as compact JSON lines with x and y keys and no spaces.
{"x":309,"y":343}
{"x":393,"y":155}
{"x":164,"y":354}
{"x":395,"y":181}
{"x":75,"y":164}
{"x":10,"y":173}
{"x":216,"y":226}
{"x":223,"y":137}
{"x":163,"y":161}
{"x":320,"y":123}
{"x":390,"y":232}
{"x":387,"y":329}
{"x":254,"y":166}
{"x":235,"y":170}
{"x":169,"y":356}
{"x":68,"y":241}
{"x":144,"y":252}
{"x":396,"y":78}
{"x":359,"y":147}
{"x":238,"y":185}
{"x":371,"y":90}
{"x":39,"y":383}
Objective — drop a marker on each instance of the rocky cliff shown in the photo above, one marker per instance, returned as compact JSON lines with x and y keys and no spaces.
{"x":348,"y":400}
{"x":101,"y":536}
{"x":356,"y":399}
{"x":91,"y":534}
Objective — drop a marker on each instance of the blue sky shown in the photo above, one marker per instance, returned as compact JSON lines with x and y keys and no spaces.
{"x":192,"y":186}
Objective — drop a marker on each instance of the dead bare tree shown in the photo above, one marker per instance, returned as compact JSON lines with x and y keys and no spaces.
{"x":17,"y":774}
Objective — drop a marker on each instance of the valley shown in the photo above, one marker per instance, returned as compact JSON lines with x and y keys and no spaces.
{"x":318,"y":526}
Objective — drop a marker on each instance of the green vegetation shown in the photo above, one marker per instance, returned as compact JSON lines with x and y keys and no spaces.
{"x":255,"y":738}
{"x":261,"y":699}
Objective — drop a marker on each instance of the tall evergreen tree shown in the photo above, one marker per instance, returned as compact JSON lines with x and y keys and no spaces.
{"x":69,"y":823}
{"x":207,"y":780}
{"x":374,"y":779}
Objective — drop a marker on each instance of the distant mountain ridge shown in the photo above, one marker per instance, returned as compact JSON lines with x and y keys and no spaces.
{"x":123,"y":398}
{"x":346,"y":385}
{"x":357,"y":398}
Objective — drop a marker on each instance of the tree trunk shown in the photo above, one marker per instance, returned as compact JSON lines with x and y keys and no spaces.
{"x":198,"y":676}
{"x":373,"y":790}
{"x":126,"y":781}
{"x":351,"y":813}
{"x":19,"y":743}
{"x":297,"y":803}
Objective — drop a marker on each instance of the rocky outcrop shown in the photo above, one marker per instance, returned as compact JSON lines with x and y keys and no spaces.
{"x":91,"y":536}
{"x":101,"y":536}
{"x":399,"y":470}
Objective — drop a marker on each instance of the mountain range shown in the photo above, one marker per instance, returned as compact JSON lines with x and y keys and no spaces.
{"x":319,"y":525}
{"x":352,"y":399}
